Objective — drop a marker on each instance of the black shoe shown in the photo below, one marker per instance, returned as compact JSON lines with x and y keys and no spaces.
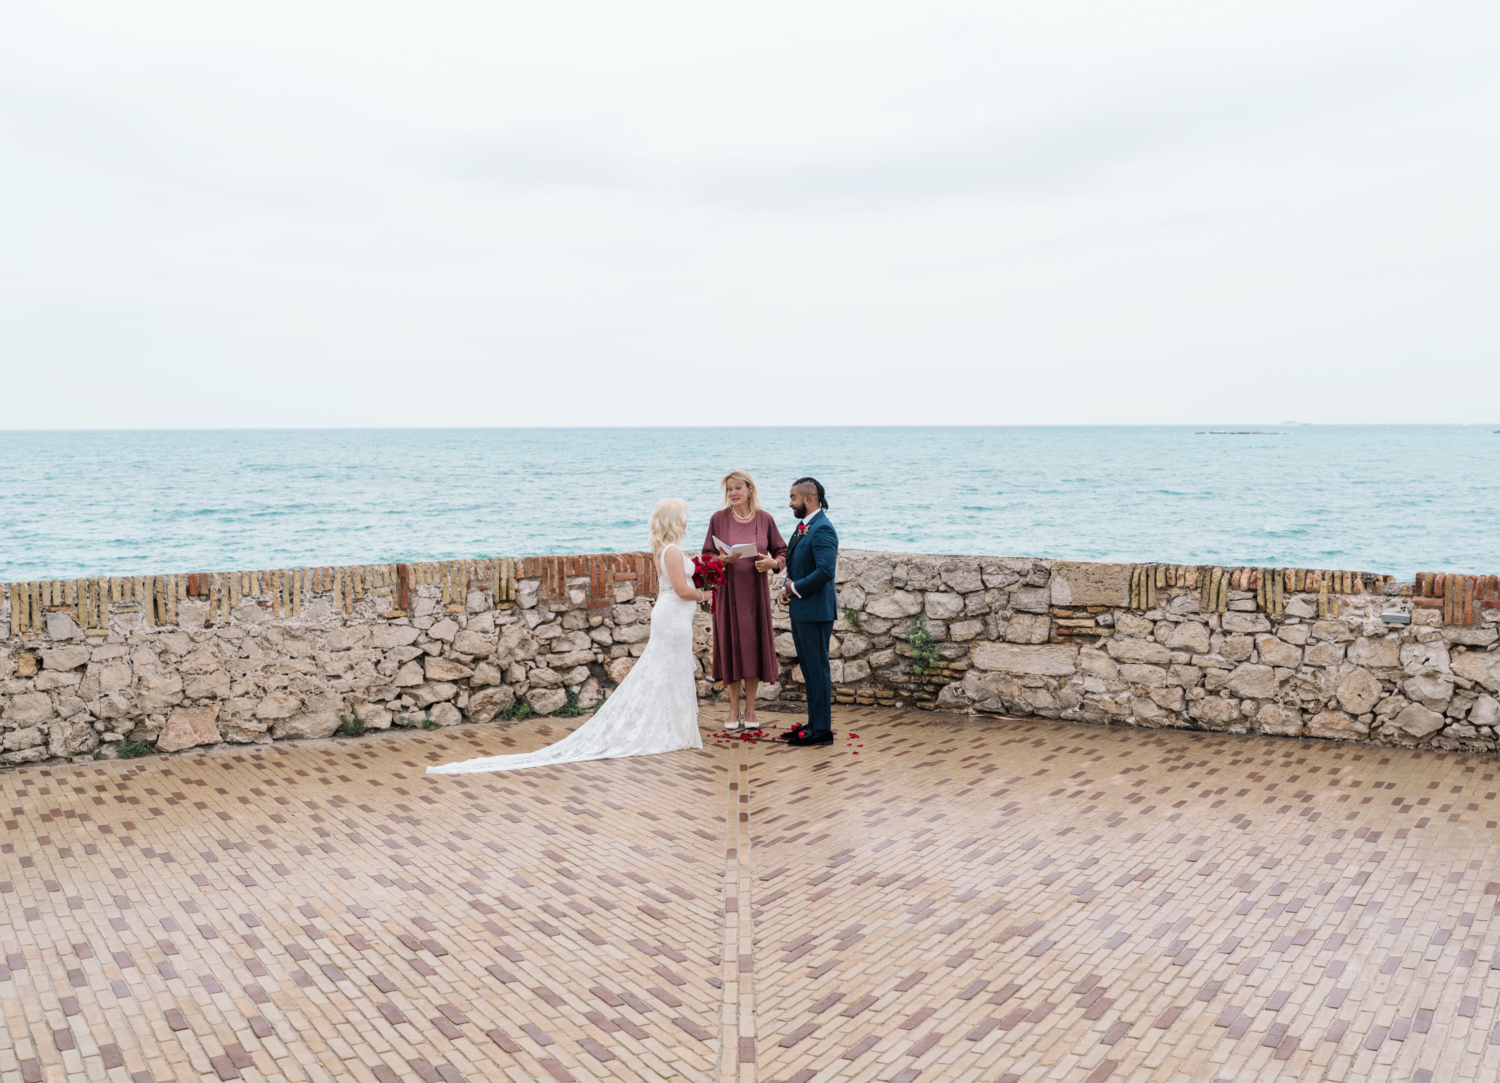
{"x":804,"y":742}
{"x":792,"y":734}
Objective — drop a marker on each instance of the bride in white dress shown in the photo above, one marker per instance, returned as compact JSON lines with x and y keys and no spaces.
{"x":655,"y":708}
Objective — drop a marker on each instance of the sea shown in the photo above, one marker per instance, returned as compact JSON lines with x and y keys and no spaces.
{"x":1392,"y":499}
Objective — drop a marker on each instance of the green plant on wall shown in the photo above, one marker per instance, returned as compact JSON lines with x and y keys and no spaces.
{"x":516,"y":712}
{"x":129,"y":750}
{"x":851,"y":618}
{"x":923,"y":655}
{"x":570,"y":709}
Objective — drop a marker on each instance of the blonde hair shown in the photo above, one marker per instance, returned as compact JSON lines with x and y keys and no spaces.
{"x":668,"y":523}
{"x":739,"y":475}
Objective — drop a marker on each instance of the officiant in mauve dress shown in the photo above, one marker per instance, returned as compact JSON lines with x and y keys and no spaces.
{"x":744,"y":645}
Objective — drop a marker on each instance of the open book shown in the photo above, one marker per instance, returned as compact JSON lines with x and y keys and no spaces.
{"x":744,"y":549}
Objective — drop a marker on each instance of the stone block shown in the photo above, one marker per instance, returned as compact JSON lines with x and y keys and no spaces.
{"x":1482,"y":669}
{"x":278,"y":705}
{"x":115,"y":678}
{"x":111,"y":705}
{"x":1418,"y":722}
{"x":1303,"y":606}
{"x":1190,"y":635}
{"x":474,"y":644}
{"x":1051,"y":660}
{"x":444,"y":629}
{"x":1277,"y":652}
{"x":1478,"y":636}
{"x":30,"y":737}
{"x":442,"y":669}
{"x":48,"y":681}
{"x":1325,"y":654}
{"x":1214,"y":712}
{"x":1028,"y":628}
{"x":484,"y":706}
{"x":29,"y":708}
{"x":1082,"y":584}
{"x":964,"y":630}
{"x":1279,"y":721}
{"x":318,"y":718}
{"x":188,"y":727}
{"x":486,"y":673}
{"x":963,"y":578}
{"x":64,"y":658}
{"x":545,"y":678}
{"x":1029,"y":600}
{"x":386,"y":636}
{"x":1098,"y":664}
{"x":1169,"y":699}
{"x":343,"y":639}
{"x":1254,"y":681}
{"x":159,"y":691}
{"x":25,"y":755}
{"x":373,"y":716}
{"x":1244,"y":623}
{"x":425,"y":695}
{"x":409,"y":675}
{"x":619,"y":668}
{"x":1150,"y":676}
{"x":1430,"y":690}
{"x":992,"y":692}
{"x":1337,"y":726}
{"x":895,"y":605}
{"x":1237,"y":648}
{"x":1485,"y":712}
{"x":61,"y":626}
{"x":547,"y":700}
{"x":1126,"y":649}
{"x":445,"y":714}
{"x":1374,"y":653}
{"x":943,"y":606}
{"x":214,"y":685}
{"x":1358,"y":692}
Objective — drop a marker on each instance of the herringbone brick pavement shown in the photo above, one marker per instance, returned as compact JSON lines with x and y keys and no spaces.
{"x":934,"y":897}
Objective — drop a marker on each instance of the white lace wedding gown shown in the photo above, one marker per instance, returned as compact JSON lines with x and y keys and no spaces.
{"x":655,"y":708}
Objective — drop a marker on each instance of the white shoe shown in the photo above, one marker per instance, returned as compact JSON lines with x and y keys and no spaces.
{"x":731,"y":725}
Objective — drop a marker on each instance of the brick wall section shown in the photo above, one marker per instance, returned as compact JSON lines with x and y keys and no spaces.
{"x":186,"y":659}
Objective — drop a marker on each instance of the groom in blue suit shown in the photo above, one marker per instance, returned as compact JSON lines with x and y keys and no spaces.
{"x":809,"y":595}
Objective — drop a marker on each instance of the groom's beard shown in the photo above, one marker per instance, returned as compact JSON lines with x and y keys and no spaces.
{"x":799,"y":510}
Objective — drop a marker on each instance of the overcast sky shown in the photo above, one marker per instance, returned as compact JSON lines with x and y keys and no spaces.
{"x":318,"y":214}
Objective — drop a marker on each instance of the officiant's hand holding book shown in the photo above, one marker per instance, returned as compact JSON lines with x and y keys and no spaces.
{"x":731,"y":553}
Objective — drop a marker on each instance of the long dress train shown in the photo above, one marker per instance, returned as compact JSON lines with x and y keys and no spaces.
{"x":654,"y":709}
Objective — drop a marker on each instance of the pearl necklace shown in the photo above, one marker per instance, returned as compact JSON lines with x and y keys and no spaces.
{"x":737,"y":518}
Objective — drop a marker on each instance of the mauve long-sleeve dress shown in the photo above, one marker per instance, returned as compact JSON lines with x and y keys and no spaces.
{"x":744,"y":644}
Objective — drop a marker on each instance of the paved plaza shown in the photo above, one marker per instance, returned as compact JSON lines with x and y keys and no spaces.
{"x":936,"y":898}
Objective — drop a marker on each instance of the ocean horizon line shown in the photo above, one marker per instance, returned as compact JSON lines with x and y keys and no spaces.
{"x":1196,"y":425}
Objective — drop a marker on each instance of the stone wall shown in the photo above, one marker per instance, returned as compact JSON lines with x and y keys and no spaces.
{"x":1291,"y":652}
{"x":109,"y":666}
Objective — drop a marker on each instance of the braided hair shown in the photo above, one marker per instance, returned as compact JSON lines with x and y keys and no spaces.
{"x":816,"y":484}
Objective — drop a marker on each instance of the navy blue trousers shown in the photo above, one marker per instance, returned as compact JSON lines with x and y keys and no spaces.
{"x":811,"y":639}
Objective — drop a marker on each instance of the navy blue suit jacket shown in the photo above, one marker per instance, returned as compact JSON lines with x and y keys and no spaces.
{"x":811,"y":565}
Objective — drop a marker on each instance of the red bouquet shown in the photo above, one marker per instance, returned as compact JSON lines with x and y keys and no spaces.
{"x":708,"y":574}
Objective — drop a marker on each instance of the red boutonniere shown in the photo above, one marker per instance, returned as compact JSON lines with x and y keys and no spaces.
{"x":801,"y":530}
